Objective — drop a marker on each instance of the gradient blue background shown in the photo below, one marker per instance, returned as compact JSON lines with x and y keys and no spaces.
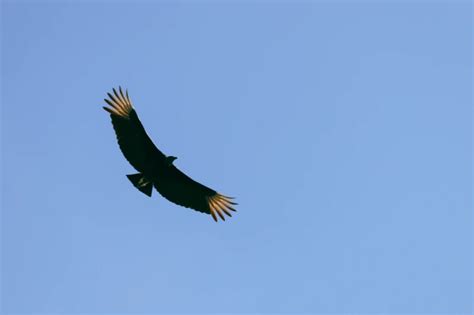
{"x":344,"y":129}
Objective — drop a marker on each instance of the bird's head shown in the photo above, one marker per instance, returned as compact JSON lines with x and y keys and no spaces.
{"x":170,"y":159}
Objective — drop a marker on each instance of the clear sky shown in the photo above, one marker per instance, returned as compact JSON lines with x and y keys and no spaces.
{"x":343,"y":129}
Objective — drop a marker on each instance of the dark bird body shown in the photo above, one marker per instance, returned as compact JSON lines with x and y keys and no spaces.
{"x":155,"y":168}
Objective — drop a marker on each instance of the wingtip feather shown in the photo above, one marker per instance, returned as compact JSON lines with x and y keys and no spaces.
{"x":220,"y":205}
{"x":121,"y":106}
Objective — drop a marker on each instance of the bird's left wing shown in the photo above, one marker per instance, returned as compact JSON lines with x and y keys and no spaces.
{"x":136,"y":145}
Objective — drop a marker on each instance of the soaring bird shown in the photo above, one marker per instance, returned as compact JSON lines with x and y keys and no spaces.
{"x":157,"y":169}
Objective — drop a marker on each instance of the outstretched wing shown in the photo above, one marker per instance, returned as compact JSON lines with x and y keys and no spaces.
{"x":179,"y":188}
{"x":132,"y":138}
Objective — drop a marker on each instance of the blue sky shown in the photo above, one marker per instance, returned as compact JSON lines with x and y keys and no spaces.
{"x":343,"y":129}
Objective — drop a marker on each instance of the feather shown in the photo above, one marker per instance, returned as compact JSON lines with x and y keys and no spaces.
{"x":222,"y":205}
{"x":219,"y":208}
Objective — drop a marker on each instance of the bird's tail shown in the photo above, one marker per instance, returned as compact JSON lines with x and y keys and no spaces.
{"x":142,"y":183}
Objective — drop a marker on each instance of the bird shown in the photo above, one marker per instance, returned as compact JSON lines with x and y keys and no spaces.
{"x":155,"y":169}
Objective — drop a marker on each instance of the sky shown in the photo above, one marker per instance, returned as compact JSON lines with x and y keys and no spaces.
{"x":342,"y":128}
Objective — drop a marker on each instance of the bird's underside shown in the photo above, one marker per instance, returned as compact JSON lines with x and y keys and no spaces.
{"x":155,"y":168}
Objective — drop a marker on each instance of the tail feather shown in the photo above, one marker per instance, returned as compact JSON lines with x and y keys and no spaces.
{"x":141,"y":183}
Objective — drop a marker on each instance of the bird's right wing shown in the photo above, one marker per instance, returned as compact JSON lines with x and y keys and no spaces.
{"x":132,"y":138}
{"x":184,"y":191}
